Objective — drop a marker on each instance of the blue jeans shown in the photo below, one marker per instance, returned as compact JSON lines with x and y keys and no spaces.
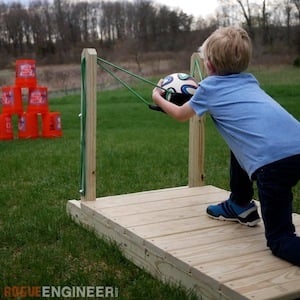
{"x":274,"y":182}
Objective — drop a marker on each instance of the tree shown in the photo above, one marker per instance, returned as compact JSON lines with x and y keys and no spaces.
{"x":61,"y":28}
{"x":247,"y":13}
{"x":297,"y":6}
{"x":16,"y":22}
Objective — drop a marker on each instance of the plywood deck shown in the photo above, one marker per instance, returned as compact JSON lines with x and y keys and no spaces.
{"x":167,"y":233}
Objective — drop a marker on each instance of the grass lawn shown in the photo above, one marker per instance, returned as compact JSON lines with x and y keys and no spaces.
{"x":137,"y":149}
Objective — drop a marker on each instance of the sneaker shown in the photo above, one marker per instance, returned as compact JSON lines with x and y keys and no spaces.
{"x":229,"y":211}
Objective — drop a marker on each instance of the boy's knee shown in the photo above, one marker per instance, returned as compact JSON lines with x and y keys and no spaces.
{"x":286,"y":248}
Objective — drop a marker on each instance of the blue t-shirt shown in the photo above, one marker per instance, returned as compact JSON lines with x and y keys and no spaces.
{"x":256,"y":128}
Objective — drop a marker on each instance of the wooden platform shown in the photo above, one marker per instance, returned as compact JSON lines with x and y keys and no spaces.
{"x":167,"y":233}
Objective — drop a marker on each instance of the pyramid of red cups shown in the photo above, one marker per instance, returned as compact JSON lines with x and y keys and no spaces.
{"x":32,"y":116}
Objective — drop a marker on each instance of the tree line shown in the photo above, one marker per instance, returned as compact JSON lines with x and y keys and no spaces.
{"x":56,"y":32}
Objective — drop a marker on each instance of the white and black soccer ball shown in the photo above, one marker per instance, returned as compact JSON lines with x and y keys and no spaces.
{"x":179,"y":83}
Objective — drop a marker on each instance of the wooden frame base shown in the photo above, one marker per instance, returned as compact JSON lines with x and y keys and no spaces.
{"x":167,"y":233}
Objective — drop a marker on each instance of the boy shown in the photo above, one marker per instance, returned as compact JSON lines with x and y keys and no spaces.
{"x":264,"y":140}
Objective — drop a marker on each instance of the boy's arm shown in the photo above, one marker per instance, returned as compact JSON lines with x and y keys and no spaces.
{"x":180,"y":113}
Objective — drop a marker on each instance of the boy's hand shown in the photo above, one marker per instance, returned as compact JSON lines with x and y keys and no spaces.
{"x":158,"y":90}
{"x":157,"y":96}
{"x":180,"y":113}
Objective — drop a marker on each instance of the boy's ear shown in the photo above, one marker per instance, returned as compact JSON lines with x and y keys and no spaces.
{"x":210,"y":67}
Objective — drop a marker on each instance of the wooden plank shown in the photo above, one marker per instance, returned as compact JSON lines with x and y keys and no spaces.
{"x":165,"y":203}
{"x":196,"y":151}
{"x":151,"y":231}
{"x":287,"y":291}
{"x":159,"y":216}
{"x":205,"y":236}
{"x":170,"y":227}
{"x":151,"y":212}
{"x":279,"y":283}
{"x":221,"y":250}
{"x":153,"y":196}
{"x":89,"y":147}
{"x":155,"y":215}
{"x":237,"y":267}
{"x":196,"y":139}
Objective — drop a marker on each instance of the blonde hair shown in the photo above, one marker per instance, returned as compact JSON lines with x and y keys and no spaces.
{"x":228,"y":49}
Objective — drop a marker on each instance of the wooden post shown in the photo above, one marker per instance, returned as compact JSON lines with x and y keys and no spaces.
{"x":90,"y":57}
{"x":196,"y":136}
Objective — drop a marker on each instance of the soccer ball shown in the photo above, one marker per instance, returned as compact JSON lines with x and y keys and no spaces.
{"x":179,"y":85}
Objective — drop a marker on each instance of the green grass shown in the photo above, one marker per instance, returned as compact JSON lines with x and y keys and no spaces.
{"x":137,"y":149}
